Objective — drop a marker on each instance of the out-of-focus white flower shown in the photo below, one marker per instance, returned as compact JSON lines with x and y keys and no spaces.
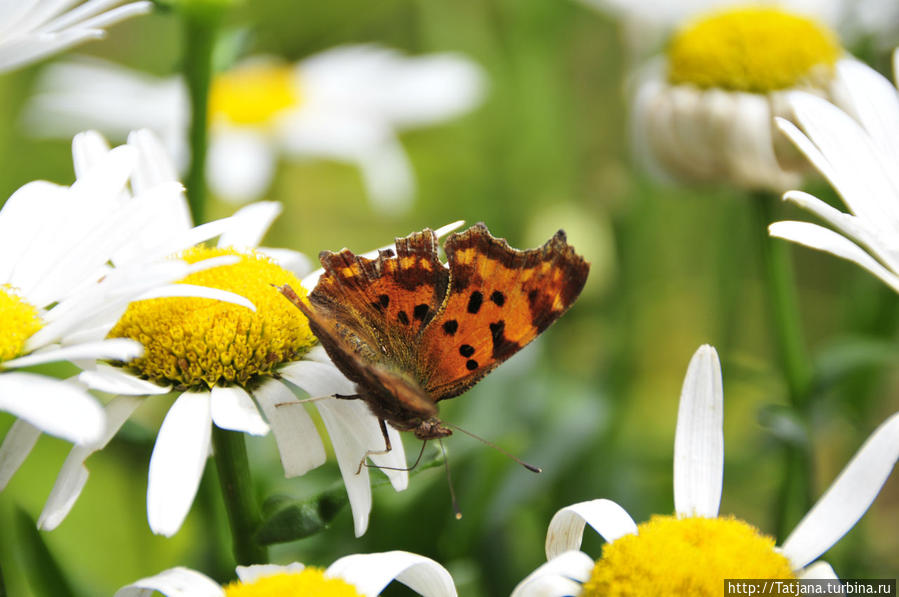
{"x":648,"y":22}
{"x":360,"y":575}
{"x":34,"y":29}
{"x":697,"y":547}
{"x":857,"y":152}
{"x":705,"y":111}
{"x":346,"y":104}
{"x":71,"y":260}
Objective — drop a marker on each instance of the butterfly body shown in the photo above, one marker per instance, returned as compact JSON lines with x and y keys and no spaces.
{"x":410,"y":331}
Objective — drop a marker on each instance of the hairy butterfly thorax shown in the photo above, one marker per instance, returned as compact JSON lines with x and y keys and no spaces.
{"x":410,"y":331}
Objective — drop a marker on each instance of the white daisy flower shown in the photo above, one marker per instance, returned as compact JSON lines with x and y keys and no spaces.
{"x":346,"y":104}
{"x":34,"y":29}
{"x":697,"y":547}
{"x":704,"y":112}
{"x":71,"y":260}
{"x":857,"y":152}
{"x":223,"y":361}
{"x":357,"y":575}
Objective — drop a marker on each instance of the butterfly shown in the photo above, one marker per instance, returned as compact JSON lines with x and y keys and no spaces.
{"x":410,"y":331}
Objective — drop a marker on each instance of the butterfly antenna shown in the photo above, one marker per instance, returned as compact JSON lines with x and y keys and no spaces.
{"x":449,"y":481}
{"x":530,"y":467}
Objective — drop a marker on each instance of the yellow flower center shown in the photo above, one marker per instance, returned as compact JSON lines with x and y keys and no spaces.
{"x":755,"y":49}
{"x":20,"y":320}
{"x":198,"y":342}
{"x":685,"y":557}
{"x":253,"y":94}
{"x":311,"y":582}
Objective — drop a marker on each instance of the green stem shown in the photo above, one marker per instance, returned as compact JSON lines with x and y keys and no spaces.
{"x":237,"y":490}
{"x":795,"y":494}
{"x":2,"y":584}
{"x":201,"y":25}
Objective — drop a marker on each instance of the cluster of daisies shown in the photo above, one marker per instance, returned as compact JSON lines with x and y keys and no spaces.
{"x":111,"y":274}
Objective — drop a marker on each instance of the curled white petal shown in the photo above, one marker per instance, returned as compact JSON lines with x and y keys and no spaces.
{"x":17,"y":444}
{"x":115,"y":381}
{"x":248,"y":574}
{"x":566,"y":529}
{"x":175,"y":582}
{"x":562,"y":575}
{"x":370,"y":573}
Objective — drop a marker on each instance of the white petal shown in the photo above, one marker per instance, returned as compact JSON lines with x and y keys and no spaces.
{"x":298,"y":441}
{"x":339,"y":419}
{"x":848,"y":497}
{"x":88,"y":149}
{"x":248,"y":574}
{"x":192,"y":290}
{"x":177,"y":462}
{"x":293,"y":261}
{"x":251,"y":224}
{"x":562,"y":575}
{"x":154,"y":167}
{"x":820,"y":570}
{"x":17,"y":444}
{"x":73,"y":474}
{"x":318,"y":379}
{"x":116,"y":349}
{"x":823,"y":239}
{"x":240,"y":165}
{"x":233,"y":408}
{"x":115,"y":381}
{"x":566,"y":529}
{"x":175,"y":582}
{"x":55,"y":407}
{"x":699,"y":440}
{"x":873,"y":101}
{"x":371,"y":573}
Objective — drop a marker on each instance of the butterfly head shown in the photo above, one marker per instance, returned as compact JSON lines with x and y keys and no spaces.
{"x":432,"y":428}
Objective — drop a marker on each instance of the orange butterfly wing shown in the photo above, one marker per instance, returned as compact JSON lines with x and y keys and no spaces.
{"x":498,"y":300}
{"x":368,"y":314}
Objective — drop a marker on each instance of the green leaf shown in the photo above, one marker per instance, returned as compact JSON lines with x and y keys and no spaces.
{"x":47,"y":578}
{"x":288,"y":520}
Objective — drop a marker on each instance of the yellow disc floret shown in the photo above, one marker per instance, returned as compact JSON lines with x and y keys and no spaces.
{"x":199,"y":342}
{"x":758,"y":49}
{"x":311,"y":582}
{"x":685,"y":557}
{"x":20,"y":320}
{"x":253,"y":94}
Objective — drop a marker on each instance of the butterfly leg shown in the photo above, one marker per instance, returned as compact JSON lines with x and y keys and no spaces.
{"x":387,"y":446}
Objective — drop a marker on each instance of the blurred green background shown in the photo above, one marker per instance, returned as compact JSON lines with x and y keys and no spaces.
{"x":593,"y":401}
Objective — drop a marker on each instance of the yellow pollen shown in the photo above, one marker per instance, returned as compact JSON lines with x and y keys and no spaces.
{"x":253,"y":94}
{"x":20,"y":321}
{"x":199,"y":342}
{"x":757,"y":49}
{"x":311,"y":582}
{"x":685,"y":557}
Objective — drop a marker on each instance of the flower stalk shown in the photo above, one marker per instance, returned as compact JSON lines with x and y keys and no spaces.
{"x":201,"y":23}
{"x":796,"y":486}
{"x":244,"y":515}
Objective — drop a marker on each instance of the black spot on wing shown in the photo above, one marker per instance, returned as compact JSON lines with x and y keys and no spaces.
{"x":474,"y":302}
{"x":403,"y":318}
{"x":450,"y":327}
{"x":498,"y":298}
{"x":384,"y":300}
{"x":420,"y":312}
{"x":471,"y":364}
{"x":466,"y":350}
{"x":503,"y":348}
